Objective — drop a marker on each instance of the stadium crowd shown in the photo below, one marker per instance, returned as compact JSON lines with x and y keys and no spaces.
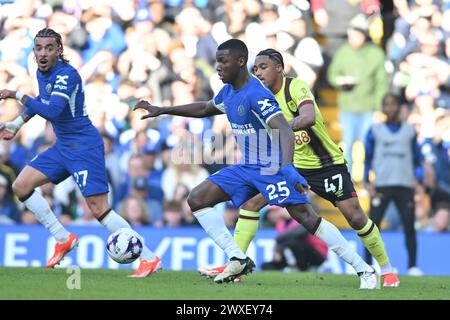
{"x":164,"y":51}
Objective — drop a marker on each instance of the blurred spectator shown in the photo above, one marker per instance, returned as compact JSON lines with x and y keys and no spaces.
{"x":271,"y":216}
{"x":155,"y":175}
{"x":27,"y":217}
{"x":135,"y":167}
{"x":332,"y":19}
{"x":428,"y":61}
{"x":61,"y":211}
{"x":18,"y":152}
{"x":410,"y":26}
{"x":137,"y":184}
{"x":195,"y":34}
{"x":172,"y":214}
{"x":287,"y":28}
{"x":47,"y":138}
{"x":187,"y":174}
{"x":157,"y":11}
{"x":393,"y":153}
{"x":102,"y":32}
{"x":357,"y":71}
{"x":236,"y":16}
{"x":9,"y":213}
{"x":100,"y":101}
{"x":19,"y":28}
{"x":103,"y":65}
{"x":10,"y":73}
{"x":141,"y":189}
{"x":308,"y":61}
{"x":124,"y":11}
{"x":135,"y":211}
{"x":296,"y":248}
{"x":436,"y":150}
{"x":180,"y":195}
{"x":133,"y":139}
{"x":6,"y":169}
{"x":72,"y":35}
{"x":145,"y":46}
{"x":112,"y":162}
{"x":85,"y":215}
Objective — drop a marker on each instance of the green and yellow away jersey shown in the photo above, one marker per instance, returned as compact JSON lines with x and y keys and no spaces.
{"x":314,"y":148}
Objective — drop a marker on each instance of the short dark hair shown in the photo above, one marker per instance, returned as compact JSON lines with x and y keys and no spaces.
{"x":393,"y":96}
{"x":273,"y":55}
{"x":172,"y":205}
{"x":50,"y":33}
{"x":235,"y":46}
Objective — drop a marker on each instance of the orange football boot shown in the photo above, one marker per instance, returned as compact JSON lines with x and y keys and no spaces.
{"x":147,"y":267}
{"x":390,"y":280}
{"x":61,"y":249}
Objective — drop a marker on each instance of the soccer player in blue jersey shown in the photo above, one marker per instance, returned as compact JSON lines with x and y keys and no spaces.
{"x":255,"y":118}
{"x":78,"y":151}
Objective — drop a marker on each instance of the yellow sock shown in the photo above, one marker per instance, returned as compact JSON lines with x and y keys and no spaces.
{"x":371,"y":238}
{"x":246,"y":228}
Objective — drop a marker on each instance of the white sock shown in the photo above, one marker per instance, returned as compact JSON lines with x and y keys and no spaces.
{"x":386,"y":269}
{"x":114,"y":221}
{"x":37,"y":204}
{"x":336,"y":242}
{"x":215,"y":227}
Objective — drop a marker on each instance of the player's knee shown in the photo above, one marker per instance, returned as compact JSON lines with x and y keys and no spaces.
{"x":194,"y":200}
{"x":304,"y":214}
{"x":357,"y":221}
{"x":353,"y":213}
{"x":97,"y":208}
{"x":310,"y":219}
{"x":21,"y":188}
{"x":356,"y":218}
{"x":253,"y":205}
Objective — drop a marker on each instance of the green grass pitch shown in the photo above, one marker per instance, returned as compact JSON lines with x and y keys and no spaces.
{"x":40,"y":283}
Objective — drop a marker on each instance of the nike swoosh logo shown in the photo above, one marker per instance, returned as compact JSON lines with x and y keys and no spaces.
{"x":282,"y":200}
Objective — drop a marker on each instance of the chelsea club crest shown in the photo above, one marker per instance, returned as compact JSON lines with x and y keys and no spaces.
{"x":48,"y":88}
{"x":241,"y":110}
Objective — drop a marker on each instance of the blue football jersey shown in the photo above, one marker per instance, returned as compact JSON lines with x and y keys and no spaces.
{"x":61,"y":101}
{"x":249,"y":109}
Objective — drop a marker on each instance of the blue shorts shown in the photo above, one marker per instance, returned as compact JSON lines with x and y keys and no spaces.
{"x":242,"y":182}
{"x":87,"y":168}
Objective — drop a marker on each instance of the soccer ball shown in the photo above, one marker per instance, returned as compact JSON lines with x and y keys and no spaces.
{"x":124,"y":246}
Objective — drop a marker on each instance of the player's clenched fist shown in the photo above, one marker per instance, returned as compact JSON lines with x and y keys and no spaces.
{"x":5,"y":94}
{"x":8,"y":130}
{"x":153,"y":111}
{"x":294,"y":178}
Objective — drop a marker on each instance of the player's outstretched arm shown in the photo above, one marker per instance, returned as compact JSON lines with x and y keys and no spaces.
{"x":33,"y":106}
{"x":199,"y":109}
{"x":10,"y":94}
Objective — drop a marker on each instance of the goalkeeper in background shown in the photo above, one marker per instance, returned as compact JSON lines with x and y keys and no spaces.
{"x":317,"y":158}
